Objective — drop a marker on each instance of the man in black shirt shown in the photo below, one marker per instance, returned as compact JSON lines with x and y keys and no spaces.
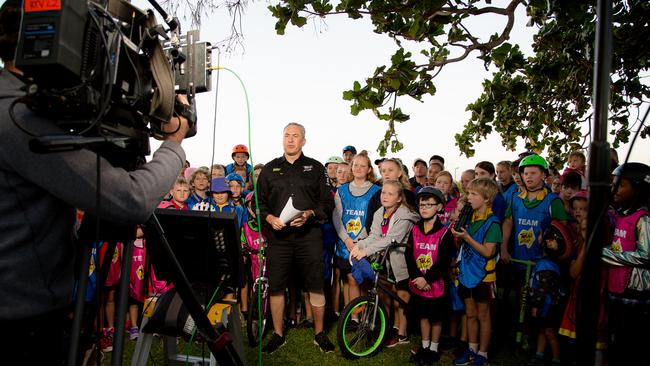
{"x":296,"y":243}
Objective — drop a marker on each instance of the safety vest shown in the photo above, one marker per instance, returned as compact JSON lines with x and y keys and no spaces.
{"x":528,"y":225}
{"x":254,"y":239}
{"x":450,"y":207}
{"x":472,"y":265}
{"x":624,"y":240}
{"x":544,"y":264}
{"x":425,"y":251}
{"x":353,"y":215}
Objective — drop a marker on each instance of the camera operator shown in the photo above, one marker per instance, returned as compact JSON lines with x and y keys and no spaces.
{"x":37,"y":212}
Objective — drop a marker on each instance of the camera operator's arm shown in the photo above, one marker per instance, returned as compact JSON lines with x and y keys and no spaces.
{"x":71,"y":177}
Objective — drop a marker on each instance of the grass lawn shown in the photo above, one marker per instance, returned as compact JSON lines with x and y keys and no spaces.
{"x":300,"y":350}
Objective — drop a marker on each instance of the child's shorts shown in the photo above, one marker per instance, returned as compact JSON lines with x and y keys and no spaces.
{"x":483,"y":292}
{"x":434,"y":309}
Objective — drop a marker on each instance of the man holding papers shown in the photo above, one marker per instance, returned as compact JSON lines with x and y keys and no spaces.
{"x":293,"y":199}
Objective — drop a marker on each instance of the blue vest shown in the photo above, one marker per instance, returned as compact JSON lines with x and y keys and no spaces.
{"x":509,"y":193}
{"x":472,"y":264}
{"x":354,"y":214}
{"x":544,"y":264}
{"x":528,"y":225}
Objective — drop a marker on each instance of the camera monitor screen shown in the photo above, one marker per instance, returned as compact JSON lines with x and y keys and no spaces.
{"x":206,"y":245}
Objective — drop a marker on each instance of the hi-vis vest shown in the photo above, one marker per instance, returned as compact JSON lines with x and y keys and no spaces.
{"x":528,"y":225}
{"x":355,"y":211}
{"x":624,"y":240}
{"x":425,"y":250}
{"x":473,"y":266}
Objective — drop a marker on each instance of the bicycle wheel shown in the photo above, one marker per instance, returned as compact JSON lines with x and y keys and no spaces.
{"x":255,"y":333}
{"x":360,"y":331}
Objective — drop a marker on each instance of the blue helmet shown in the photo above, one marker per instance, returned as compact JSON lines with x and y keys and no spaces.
{"x":235,"y":177}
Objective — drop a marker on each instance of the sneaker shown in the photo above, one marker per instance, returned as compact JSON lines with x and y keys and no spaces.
{"x":323,"y":343}
{"x":424,"y":356}
{"x":395,"y":340}
{"x":275,"y":343}
{"x":133,"y":333}
{"x":480,"y":360}
{"x":106,"y":342}
{"x":306,"y":323}
{"x":465,"y":358}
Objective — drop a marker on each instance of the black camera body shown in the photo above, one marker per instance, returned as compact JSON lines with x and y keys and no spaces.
{"x":107,"y":69}
{"x":464,"y":217}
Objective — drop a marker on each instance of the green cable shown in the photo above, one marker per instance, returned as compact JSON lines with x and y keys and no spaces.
{"x":257,"y":209}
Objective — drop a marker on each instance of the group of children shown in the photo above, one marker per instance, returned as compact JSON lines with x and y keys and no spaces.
{"x":463,"y":240}
{"x":518,"y":218}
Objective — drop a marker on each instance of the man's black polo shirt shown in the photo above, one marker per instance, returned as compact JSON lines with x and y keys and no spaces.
{"x":304,"y":181}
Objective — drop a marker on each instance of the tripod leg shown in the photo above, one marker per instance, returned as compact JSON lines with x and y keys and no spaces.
{"x":122,"y":303}
{"x":82,"y":285}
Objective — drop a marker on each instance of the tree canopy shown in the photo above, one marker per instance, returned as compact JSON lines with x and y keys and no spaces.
{"x":544,"y":98}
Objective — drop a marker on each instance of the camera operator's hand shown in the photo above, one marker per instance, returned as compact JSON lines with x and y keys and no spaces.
{"x":178,"y":126}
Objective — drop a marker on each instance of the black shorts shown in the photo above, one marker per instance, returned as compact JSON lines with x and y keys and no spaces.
{"x":483,"y":292}
{"x":434,"y":309}
{"x":343,"y":265}
{"x":304,"y":254}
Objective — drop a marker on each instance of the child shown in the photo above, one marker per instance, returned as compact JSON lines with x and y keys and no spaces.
{"x":628,"y":282}
{"x":428,"y":258}
{"x":137,"y":288}
{"x":239,"y":165}
{"x":391,"y":222}
{"x":530,"y":213}
{"x":445,"y":183}
{"x":220,"y":200}
{"x":236,"y":185}
{"x":199,"y":183}
{"x":252,"y":239}
{"x":477,"y":269}
{"x":180,"y":193}
{"x":577,"y":162}
{"x":342,"y":174}
{"x":571,"y":183}
{"x":545,"y":298}
{"x":217,"y":171}
{"x":332,"y":166}
{"x":349,"y":217}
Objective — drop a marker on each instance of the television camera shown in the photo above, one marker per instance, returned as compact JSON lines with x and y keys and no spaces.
{"x":104,"y":70}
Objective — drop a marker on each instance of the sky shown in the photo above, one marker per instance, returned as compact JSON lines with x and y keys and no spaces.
{"x":300,"y":77}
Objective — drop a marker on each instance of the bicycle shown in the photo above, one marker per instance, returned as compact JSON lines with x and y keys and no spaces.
{"x":259,"y":287}
{"x":362,"y":325}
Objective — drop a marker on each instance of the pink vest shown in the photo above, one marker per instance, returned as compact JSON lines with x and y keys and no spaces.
{"x":450,"y":207}
{"x":137,"y":271}
{"x":253,"y":238}
{"x":255,"y":241}
{"x":425,"y":251}
{"x":624,"y":240}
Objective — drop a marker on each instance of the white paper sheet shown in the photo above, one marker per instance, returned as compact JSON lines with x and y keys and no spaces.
{"x":289,"y":212}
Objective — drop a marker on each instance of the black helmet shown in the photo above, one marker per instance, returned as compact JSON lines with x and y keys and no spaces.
{"x":431,"y":191}
{"x":637,"y":173}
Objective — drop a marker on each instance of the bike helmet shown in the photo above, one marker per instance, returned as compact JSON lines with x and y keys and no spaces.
{"x":637,"y":173}
{"x":235,"y":177}
{"x":533,"y":160}
{"x":335,"y":160}
{"x":430,"y":191}
{"x":564,"y":237}
{"x":240,"y":149}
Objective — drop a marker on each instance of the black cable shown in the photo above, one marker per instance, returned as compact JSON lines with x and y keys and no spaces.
{"x":12,"y":116}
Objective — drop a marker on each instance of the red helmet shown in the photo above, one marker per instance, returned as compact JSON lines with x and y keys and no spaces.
{"x":240,"y":149}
